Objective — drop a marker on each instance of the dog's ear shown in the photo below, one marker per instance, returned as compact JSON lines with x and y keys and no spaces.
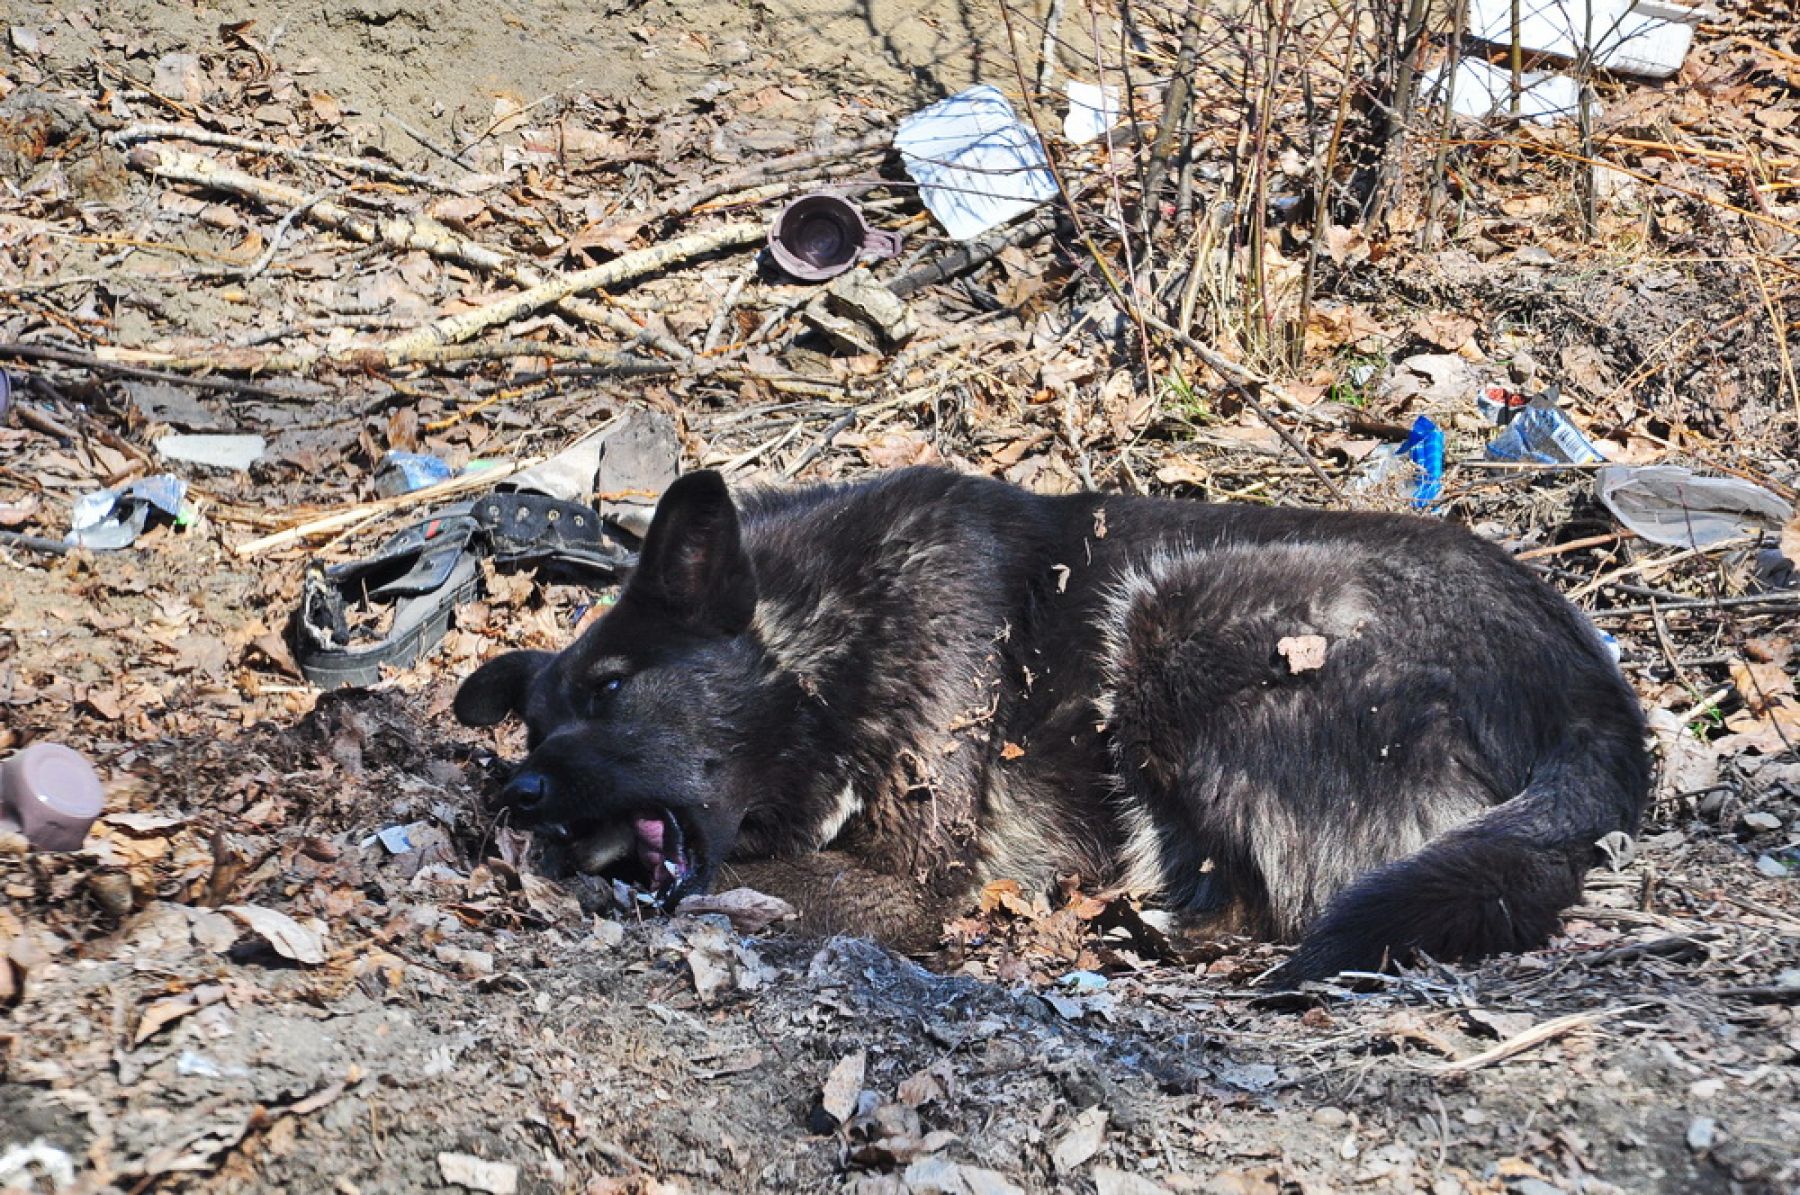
{"x":693,"y":566}
{"x":498,"y":687}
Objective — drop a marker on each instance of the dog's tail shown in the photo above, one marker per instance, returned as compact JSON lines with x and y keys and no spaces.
{"x":1495,"y":884}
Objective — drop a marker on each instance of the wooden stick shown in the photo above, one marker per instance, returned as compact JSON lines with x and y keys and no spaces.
{"x":158,"y":131}
{"x":1648,"y":567}
{"x":1535,"y":1036}
{"x":302,"y":360}
{"x":1574,"y":545}
{"x":420,"y":233}
{"x":1718,"y":155}
{"x":1780,"y":600}
{"x":347,"y":516}
{"x":454,"y":329}
{"x":1248,"y":385}
{"x":107,"y":364}
{"x":33,"y":543}
{"x":686,"y":200}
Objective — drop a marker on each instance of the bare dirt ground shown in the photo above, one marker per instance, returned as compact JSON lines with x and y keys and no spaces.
{"x":236,"y":986}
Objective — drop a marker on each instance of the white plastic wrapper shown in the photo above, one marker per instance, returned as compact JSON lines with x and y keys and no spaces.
{"x":1093,"y":109}
{"x":976,"y":163}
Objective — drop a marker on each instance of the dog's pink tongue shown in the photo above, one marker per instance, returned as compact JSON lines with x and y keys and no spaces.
{"x":650,"y":843}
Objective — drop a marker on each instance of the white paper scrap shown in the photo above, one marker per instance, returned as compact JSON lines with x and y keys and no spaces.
{"x":1093,"y":109}
{"x":976,"y":163}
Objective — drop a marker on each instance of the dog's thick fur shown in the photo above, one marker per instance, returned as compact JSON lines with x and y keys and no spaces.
{"x":878,"y":696}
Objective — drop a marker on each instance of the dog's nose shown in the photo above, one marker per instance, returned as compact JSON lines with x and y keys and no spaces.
{"x":525,"y":792}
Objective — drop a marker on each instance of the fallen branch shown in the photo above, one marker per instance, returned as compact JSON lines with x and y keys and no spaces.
{"x":964,"y":258}
{"x":1574,"y":545}
{"x":1774,"y":601}
{"x":1535,"y":1036}
{"x":117,"y":367}
{"x":454,"y":329}
{"x":32,"y":543}
{"x":420,"y":233}
{"x":302,"y":360}
{"x":155,"y":131}
{"x":689,"y":198}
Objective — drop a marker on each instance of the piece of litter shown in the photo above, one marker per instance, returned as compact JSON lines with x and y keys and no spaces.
{"x":1619,"y":848}
{"x":18,"y":1163}
{"x":821,"y":235}
{"x":1543,"y":434}
{"x":395,"y":839}
{"x":404,"y":472}
{"x":1424,"y":447}
{"x":1480,"y":90}
{"x":110,"y":519}
{"x":976,"y":163}
{"x":1667,"y":504}
{"x":1420,"y":459}
{"x":235,"y":453}
{"x":1772,"y":867}
{"x":191,"y":1063}
{"x":1093,"y":109}
{"x":479,"y":1174}
{"x":1084,"y":981}
{"x":1633,"y":37}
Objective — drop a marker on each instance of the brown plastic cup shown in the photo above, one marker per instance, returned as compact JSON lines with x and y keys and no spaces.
{"x":54,"y":795}
{"x":819,"y":236}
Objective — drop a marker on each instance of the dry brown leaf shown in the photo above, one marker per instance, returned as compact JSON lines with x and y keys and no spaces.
{"x":1081,"y":1142}
{"x":1446,"y":331}
{"x":843,"y":1085}
{"x":163,"y":1013}
{"x":289,"y":938}
{"x":1183,"y":472}
{"x":748,"y":910}
{"x":1256,"y":1180}
{"x":17,"y":514}
{"x":1341,"y":242}
{"x":916,"y":1091}
{"x":1333,"y":328}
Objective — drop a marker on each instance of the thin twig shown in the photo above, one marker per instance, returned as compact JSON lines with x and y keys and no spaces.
{"x":1535,"y":1036}
{"x":1247,"y":386}
{"x":33,"y":543}
{"x":39,"y":352}
{"x":1775,"y":601}
{"x":157,"y":131}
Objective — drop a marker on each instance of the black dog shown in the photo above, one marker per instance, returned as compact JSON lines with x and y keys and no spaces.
{"x":1373,"y":733}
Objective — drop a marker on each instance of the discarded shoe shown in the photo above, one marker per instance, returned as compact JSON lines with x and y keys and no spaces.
{"x":427,"y":569}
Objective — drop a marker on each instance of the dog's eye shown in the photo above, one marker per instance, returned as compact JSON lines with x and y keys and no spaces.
{"x":600,"y":694}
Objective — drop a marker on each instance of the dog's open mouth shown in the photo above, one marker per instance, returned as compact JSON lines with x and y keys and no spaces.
{"x":662,"y":850}
{"x":652,"y":850}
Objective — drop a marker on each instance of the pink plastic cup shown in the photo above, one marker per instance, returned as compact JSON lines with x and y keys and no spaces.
{"x":54,"y":795}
